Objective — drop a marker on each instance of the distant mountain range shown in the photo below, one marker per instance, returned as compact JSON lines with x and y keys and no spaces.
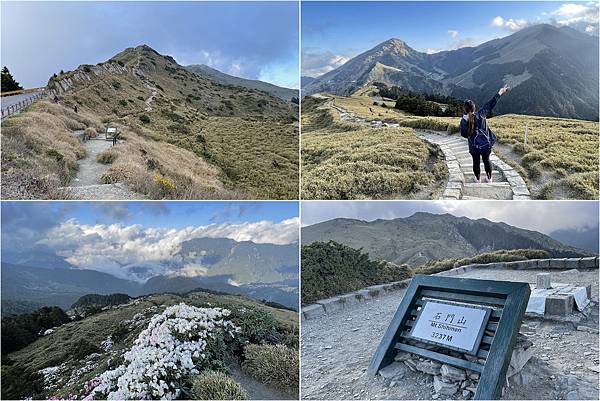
{"x":261,"y":271}
{"x":585,"y":239}
{"x":551,"y":71}
{"x":225,"y":79}
{"x":424,"y":237}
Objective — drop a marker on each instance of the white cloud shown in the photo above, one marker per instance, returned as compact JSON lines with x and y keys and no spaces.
{"x":498,"y":21}
{"x":114,"y":248}
{"x":511,"y":24}
{"x":453,"y":34}
{"x":316,"y":62}
{"x":580,"y":16}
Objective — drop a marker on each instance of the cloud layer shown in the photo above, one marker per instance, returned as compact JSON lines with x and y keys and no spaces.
{"x":316,"y":62}
{"x":115,"y":248}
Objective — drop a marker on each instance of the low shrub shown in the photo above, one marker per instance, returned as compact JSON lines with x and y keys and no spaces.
{"x":83,"y":348}
{"x":330,"y":268}
{"x":275,"y":365}
{"x":20,"y":383}
{"x":490,"y":257}
{"x":216,"y":386}
{"x":257,"y":326}
{"x":144,"y":118}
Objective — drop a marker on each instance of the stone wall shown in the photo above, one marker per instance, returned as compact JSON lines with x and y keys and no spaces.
{"x":338,"y":303}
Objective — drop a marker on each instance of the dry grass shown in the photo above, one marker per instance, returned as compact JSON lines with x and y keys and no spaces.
{"x":274,"y":365}
{"x":160,"y":170}
{"x":566,"y":148}
{"x":234,"y":142}
{"x":367,"y":164}
{"x":560,"y":161}
{"x":39,"y":152}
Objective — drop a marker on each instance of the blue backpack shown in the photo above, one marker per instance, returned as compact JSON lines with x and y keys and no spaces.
{"x":483,"y":140}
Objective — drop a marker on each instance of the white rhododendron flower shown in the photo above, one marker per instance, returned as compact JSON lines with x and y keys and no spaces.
{"x":164,"y":353}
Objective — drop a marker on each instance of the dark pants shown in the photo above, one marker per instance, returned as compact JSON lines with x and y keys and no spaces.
{"x":486,"y":163}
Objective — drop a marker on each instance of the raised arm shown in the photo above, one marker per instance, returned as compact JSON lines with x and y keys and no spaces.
{"x":489,"y":106}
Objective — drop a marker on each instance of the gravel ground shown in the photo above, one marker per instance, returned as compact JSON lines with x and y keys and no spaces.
{"x":88,"y":181}
{"x":336,"y":350}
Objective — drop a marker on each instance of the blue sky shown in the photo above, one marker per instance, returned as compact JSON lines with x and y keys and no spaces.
{"x":157,"y":214}
{"x":256,"y":40}
{"x":333,"y":32}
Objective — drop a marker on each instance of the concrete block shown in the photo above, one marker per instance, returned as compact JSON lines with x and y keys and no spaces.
{"x":519,"y":265}
{"x":543,"y":263}
{"x":530,"y":264}
{"x":376,"y":290}
{"x":349,"y":299}
{"x":558,"y":263}
{"x":588,"y":290}
{"x":559,"y":305}
{"x":332,"y":304}
{"x":571,"y":263}
{"x":396,"y":285}
{"x":313,"y":311}
{"x":543,"y":281}
{"x":587,"y":263}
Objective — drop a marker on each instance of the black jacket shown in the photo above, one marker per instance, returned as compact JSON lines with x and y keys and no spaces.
{"x":480,"y":121}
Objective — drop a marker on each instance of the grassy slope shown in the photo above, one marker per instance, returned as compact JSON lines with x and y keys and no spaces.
{"x":39,"y":153}
{"x":560,"y":160}
{"x":201,"y":139}
{"x":341,"y":161}
{"x":56,"y":348}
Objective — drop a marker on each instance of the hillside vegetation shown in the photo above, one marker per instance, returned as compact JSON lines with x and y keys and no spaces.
{"x":88,"y":356}
{"x":355,"y":163}
{"x":330,"y":268}
{"x":488,"y":257}
{"x":185,"y":135}
{"x":425,"y":237}
{"x":559,"y":161}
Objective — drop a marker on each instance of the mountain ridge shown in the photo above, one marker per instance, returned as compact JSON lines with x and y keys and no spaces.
{"x":424,"y":237}
{"x":227,"y":79}
{"x":559,"y":66}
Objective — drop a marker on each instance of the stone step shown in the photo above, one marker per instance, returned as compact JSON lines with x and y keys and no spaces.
{"x":496,"y":177}
{"x":472,"y":198}
{"x":495,"y":190}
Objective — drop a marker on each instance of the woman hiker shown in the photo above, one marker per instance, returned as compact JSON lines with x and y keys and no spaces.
{"x":473,"y":126}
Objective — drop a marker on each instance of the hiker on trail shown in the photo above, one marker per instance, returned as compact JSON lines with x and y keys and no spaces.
{"x":55,"y":99}
{"x":115,"y":138}
{"x":473,"y":126}
{"x":75,"y":109}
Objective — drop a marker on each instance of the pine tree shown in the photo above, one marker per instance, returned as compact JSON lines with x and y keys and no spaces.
{"x":8,"y":82}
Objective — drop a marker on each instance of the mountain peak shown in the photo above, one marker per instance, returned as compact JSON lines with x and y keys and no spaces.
{"x":394,"y":45}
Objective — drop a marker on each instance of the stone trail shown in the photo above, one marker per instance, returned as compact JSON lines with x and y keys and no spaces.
{"x":506,"y":183}
{"x":87,"y":184}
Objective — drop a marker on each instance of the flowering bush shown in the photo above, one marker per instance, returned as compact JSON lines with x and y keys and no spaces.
{"x":164,"y":355}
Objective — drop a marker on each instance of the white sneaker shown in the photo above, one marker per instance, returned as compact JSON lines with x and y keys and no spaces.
{"x":478,"y":180}
{"x":488,"y":179}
